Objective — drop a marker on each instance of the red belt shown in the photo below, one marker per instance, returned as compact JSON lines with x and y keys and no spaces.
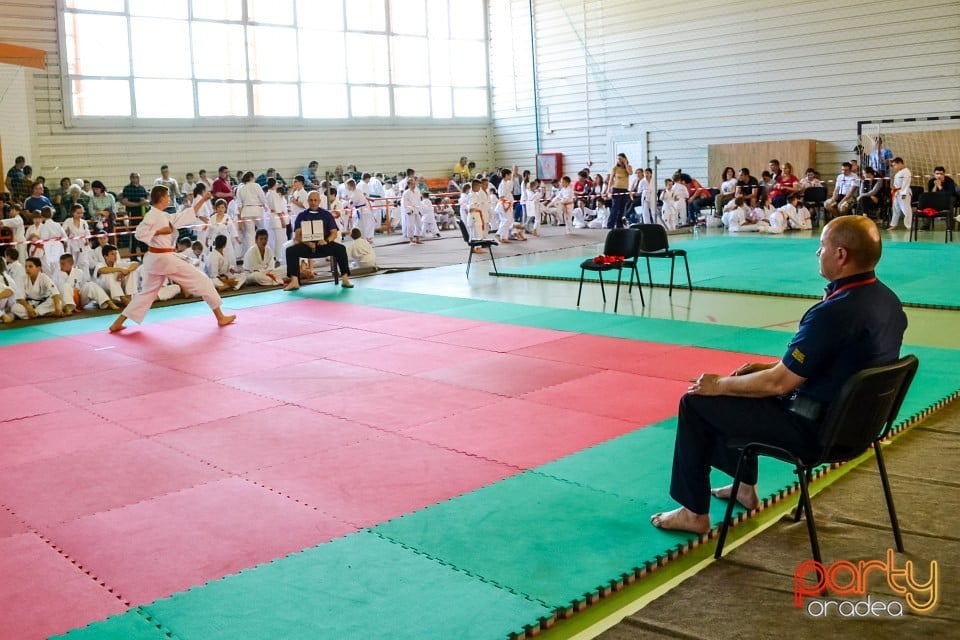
{"x":159,"y":250}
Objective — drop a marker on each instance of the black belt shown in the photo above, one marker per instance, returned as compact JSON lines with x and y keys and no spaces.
{"x":805,"y":407}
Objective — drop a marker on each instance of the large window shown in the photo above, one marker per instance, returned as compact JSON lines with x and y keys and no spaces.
{"x":241,"y":59}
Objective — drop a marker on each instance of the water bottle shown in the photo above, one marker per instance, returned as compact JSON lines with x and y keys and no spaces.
{"x":696,"y":231}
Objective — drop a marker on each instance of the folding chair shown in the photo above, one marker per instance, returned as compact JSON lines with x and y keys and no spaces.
{"x":483,"y":244}
{"x":654,"y":244}
{"x":861,"y":415}
{"x":619,"y":242}
{"x":940,"y":203}
{"x":813,"y":199}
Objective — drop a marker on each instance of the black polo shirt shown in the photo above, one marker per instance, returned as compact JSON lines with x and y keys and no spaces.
{"x":859,"y":324}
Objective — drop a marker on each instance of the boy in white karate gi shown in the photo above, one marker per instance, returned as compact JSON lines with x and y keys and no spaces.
{"x":260,"y":264}
{"x":116,"y":275}
{"x":76,"y":289}
{"x":39,"y":296}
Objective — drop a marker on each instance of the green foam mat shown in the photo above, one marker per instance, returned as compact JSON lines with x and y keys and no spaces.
{"x":361,"y":586}
{"x":132,"y":625}
{"x":784,"y":267}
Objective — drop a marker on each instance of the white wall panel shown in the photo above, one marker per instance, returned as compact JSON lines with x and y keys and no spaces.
{"x":709,"y":71}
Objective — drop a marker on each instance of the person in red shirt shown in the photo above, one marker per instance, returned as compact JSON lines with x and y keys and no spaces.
{"x":698,"y":197}
{"x":786,"y":183}
{"x":221,"y":186}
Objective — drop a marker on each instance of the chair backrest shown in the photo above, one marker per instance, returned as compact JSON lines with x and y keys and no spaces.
{"x":865,"y":409}
{"x":653,"y":237}
{"x":815,"y":195}
{"x":463,"y":231}
{"x":915,"y":192}
{"x":942,"y":201}
{"x":621,"y":242}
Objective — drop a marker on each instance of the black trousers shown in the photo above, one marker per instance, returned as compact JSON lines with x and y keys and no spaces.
{"x":302,"y":250}
{"x":706,"y":423}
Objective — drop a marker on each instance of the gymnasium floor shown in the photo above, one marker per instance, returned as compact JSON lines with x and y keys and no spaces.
{"x":422,"y":456}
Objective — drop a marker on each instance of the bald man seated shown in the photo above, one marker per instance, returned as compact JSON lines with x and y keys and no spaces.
{"x":859,"y":324}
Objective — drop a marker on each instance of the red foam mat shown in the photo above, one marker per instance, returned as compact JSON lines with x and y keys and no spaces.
{"x":219,"y":363}
{"x":508,"y":375}
{"x":614,"y":394}
{"x":264,"y":438}
{"x":379,"y":478}
{"x":406,"y":356}
{"x":520,"y":433}
{"x":182,"y":407}
{"x":69,"y":486}
{"x":10,"y":524}
{"x":43,"y":594}
{"x":338,"y":341}
{"x":420,"y":326}
{"x":28,"y":400}
{"x":305,"y":380}
{"x":170,"y":543}
{"x":633,"y":356}
{"x":53,"y":434}
{"x":394,"y":402}
{"x":129,"y":381}
{"x":501,"y":337}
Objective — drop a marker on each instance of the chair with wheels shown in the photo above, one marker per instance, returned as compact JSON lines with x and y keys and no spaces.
{"x":477,"y":244}
{"x":623,"y":243}
{"x":939,"y":205}
{"x":654,"y":244}
{"x":861,"y":415}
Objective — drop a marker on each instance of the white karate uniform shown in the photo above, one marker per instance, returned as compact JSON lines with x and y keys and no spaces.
{"x":358,"y":201}
{"x":16,"y":272}
{"x":680,"y":190}
{"x":670,"y":213}
{"x":477,"y":222}
{"x":734,"y":217}
{"x":51,"y":233}
{"x":205,"y":213}
{"x":224,"y":226}
{"x":217,"y":266}
{"x":277,"y":227}
{"x":564,"y":203}
{"x":39,"y":293}
{"x":648,"y":201}
{"x":531,"y":209}
{"x":410,"y":214}
{"x":262,"y":269}
{"x":361,"y":254}
{"x":8,"y":283}
{"x":428,"y":218}
{"x":19,"y":238}
{"x":157,"y":267}
{"x":901,"y":198}
{"x":78,"y":234}
{"x":505,"y":209}
{"x":252,"y":203}
{"x":76,"y":284}
{"x":112,"y":284}
{"x":778,"y":222}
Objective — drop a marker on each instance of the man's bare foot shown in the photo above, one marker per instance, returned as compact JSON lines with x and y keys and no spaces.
{"x":746,"y":495}
{"x":124,"y":300}
{"x":225,"y":320}
{"x":7,"y":319}
{"x":681,"y":519}
{"x":292,"y":285}
{"x":112,"y":305}
{"x":118,"y":324}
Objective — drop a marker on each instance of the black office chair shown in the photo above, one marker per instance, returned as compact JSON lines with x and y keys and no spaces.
{"x":654,"y":244}
{"x":861,"y":415}
{"x":483,"y":244}
{"x":813,"y":199}
{"x":941,"y":203}
{"x":619,"y":242}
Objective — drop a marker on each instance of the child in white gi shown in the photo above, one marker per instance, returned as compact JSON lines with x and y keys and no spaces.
{"x":670,"y":213}
{"x":360,"y":252}
{"x":428,"y":217}
{"x":116,"y":275}
{"x":410,"y":212}
{"x":40,"y":296}
{"x":260,"y":264}
{"x":77,"y":291}
{"x":9,"y":293}
{"x":531,"y":206}
{"x":219,"y":269}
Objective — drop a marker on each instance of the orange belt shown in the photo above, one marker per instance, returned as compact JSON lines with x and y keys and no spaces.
{"x":159,"y":250}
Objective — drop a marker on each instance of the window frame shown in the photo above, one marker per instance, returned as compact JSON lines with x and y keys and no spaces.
{"x":73,"y":121}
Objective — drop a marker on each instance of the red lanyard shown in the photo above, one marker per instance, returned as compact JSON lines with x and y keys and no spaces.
{"x":851,"y":285}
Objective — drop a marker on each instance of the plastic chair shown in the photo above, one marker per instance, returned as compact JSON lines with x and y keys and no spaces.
{"x":941,"y":202}
{"x":813,"y":199}
{"x":861,"y":415}
{"x":473,"y":244}
{"x":619,"y":242}
{"x":654,"y":244}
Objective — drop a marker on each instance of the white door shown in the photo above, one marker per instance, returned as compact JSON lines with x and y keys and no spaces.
{"x":635,"y":150}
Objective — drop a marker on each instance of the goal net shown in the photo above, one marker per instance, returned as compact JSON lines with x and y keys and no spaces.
{"x":923,"y":143}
